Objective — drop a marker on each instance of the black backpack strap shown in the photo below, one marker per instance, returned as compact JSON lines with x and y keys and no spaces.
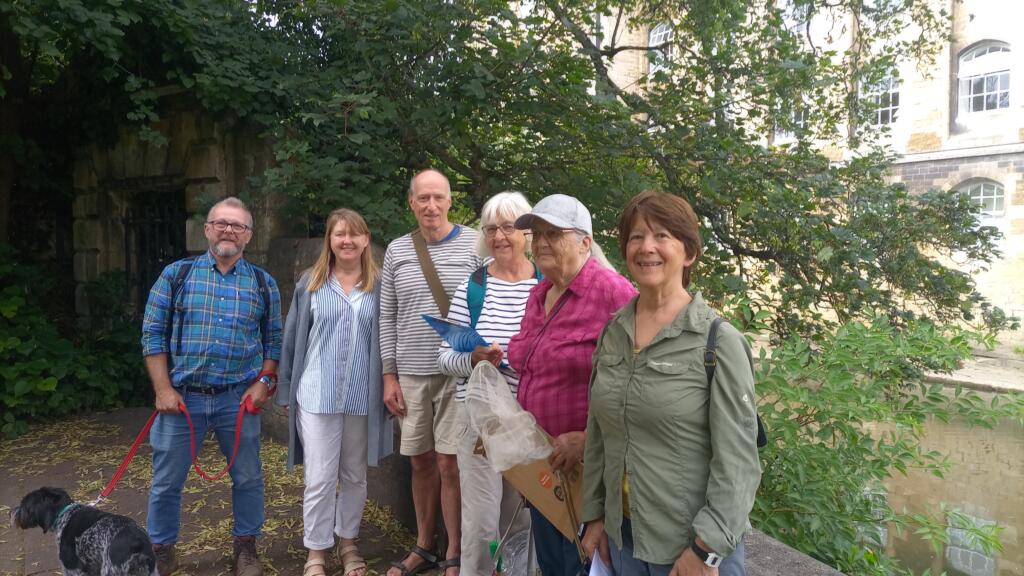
{"x":710,"y":358}
{"x":711,"y":362}
{"x":178,"y":310}
{"x":261,"y":279}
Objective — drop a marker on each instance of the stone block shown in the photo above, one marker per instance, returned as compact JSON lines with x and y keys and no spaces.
{"x":1017,"y":226}
{"x":83,"y":176}
{"x":1020,"y":134}
{"x":87,"y":234}
{"x":183,"y":134}
{"x":86,"y":265}
{"x":199,"y":196}
{"x":86,"y":204}
{"x":924,"y":142}
{"x":205,"y":161}
{"x":134,"y":154}
{"x":116,"y":156}
{"x":155,"y":163}
{"x":100,"y":162}
{"x":195,"y":240}
{"x":1017,"y":198}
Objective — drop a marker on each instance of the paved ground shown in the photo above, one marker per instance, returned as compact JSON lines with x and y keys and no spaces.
{"x":81,"y":454}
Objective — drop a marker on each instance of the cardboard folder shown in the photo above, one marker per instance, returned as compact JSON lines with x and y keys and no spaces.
{"x":558,"y":499}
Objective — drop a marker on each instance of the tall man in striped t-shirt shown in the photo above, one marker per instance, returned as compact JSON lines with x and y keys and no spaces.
{"x":414,"y":391}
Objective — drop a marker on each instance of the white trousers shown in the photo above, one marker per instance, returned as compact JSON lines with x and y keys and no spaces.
{"x":488,"y":503}
{"x":334,"y":448}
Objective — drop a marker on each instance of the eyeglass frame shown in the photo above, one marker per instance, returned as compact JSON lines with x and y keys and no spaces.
{"x":223,"y":226}
{"x":550,"y":233}
{"x":508,"y":229}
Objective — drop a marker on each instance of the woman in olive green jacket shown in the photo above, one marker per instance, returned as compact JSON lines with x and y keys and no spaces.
{"x":671,"y":465}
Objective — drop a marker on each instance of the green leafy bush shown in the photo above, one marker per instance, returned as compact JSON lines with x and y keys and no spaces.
{"x":46,"y":374}
{"x":847,"y":413}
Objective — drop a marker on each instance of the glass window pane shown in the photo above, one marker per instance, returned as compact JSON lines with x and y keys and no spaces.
{"x":964,"y":87}
{"x":998,"y":204}
{"x":977,"y":104}
{"x":892,"y":115}
{"x":895,"y":99}
{"x":991,"y":83}
{"x":883,"y":100}
{"x":1004,"y":99}
{"x":1004,"y":81}
{"x":991,"y":102}
{"x":884,"y":117}
{"x":977,"y":85}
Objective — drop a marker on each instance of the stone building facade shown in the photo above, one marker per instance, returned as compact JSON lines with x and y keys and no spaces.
{"x":139,"y":206}
{"x":958,"y":124}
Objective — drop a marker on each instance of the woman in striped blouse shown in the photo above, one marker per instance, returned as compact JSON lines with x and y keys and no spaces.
{"x":330,"y":374}
{"x":488,"y":502}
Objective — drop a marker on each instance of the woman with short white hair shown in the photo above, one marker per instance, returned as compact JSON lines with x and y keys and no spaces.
{"x":492,"y":300}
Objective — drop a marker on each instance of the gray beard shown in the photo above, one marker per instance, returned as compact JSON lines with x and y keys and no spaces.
{"x":225,"y":251}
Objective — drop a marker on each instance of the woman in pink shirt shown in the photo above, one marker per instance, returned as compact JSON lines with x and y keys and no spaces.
{"x":552,"y":353}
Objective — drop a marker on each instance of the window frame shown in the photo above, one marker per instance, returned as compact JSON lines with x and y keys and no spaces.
{"x":660,"y":58}
{"x":884,"y":97}
{"x":983,"y":82}
{"x":982,"y":185}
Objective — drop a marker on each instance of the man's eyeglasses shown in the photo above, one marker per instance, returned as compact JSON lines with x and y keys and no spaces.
{"x":507,"y":229}
{"x":552,"y":235}
{"x":223,"y":226}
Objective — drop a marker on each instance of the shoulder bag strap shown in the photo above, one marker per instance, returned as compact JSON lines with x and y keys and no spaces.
{"x":711,"y":361}
{"x":430,"y":273}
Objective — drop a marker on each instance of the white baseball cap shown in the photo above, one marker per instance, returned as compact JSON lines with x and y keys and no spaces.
{"x":560,"y":211}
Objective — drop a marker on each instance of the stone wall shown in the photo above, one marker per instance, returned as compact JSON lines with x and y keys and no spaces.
{"x":204,"y":159}
{"x":1003,"y":281}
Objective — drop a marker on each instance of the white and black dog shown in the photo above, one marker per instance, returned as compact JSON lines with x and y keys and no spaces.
{"x":91,"y":542}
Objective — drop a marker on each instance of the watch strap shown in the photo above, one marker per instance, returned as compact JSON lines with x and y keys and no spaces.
{"x":709,"y":558}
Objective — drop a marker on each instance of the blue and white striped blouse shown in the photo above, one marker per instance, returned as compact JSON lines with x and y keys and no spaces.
{"x":334,"y":380}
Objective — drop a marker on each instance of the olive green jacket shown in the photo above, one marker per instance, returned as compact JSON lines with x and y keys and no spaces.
{"x":690,"y":450}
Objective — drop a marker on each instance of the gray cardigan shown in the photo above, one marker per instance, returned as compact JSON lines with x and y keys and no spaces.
{"x":381,"y":441}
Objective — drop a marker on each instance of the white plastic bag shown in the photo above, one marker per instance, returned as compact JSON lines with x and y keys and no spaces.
{"x":510,"y":435}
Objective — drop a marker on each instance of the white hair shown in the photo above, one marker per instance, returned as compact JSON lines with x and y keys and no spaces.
{"x":595,"y":250}
{"x":510,"y":205}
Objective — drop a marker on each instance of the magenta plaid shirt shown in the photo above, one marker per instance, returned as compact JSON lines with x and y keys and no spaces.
{"x":553,"y":360}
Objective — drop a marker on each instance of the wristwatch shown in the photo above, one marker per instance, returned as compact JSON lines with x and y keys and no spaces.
{"x":709,"y":558}
{"x":267,"y":380}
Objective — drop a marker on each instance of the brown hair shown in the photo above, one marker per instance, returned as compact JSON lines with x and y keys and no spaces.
{"x":668,"y":210}
{"x":319,"y":272}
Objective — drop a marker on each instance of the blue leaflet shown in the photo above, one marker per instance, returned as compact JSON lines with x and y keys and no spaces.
{"x":460,"y":338}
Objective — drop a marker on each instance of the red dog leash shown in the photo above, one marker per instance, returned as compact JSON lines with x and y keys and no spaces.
{"x":246,"y":406}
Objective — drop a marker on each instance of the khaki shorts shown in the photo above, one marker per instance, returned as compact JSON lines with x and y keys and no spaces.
{"x":430,"y":414}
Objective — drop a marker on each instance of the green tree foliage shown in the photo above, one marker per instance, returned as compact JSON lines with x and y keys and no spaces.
{"x":43,"y":374}
{"x":844,"y":272}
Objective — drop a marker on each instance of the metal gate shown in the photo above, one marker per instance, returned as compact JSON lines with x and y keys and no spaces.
{"x":154,"y":237}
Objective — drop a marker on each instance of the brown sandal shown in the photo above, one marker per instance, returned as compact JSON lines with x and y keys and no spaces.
{"x":429,"y":562}
{"x":350,"y":560}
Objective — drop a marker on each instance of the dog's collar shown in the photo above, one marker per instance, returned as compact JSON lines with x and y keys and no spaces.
{"x":61,"y":514}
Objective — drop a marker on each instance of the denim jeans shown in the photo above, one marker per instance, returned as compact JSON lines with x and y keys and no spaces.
{"x":556,"y":554}
{"x":172,"y":461}
{"x":625,"y":565}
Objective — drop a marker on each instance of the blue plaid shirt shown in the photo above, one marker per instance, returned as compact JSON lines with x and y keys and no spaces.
{"x":221,"y":343}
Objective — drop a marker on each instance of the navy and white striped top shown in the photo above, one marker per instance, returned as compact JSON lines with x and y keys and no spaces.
{"x":503,"y":308}
{"x":334,"y":379}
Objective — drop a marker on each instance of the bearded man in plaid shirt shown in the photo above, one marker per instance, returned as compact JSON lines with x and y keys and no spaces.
{"x":212,"y":325}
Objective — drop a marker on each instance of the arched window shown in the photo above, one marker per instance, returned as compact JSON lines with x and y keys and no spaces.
{"x":988,"y":194}
{"x":984,"y":78}
{"x":657,"y":36}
